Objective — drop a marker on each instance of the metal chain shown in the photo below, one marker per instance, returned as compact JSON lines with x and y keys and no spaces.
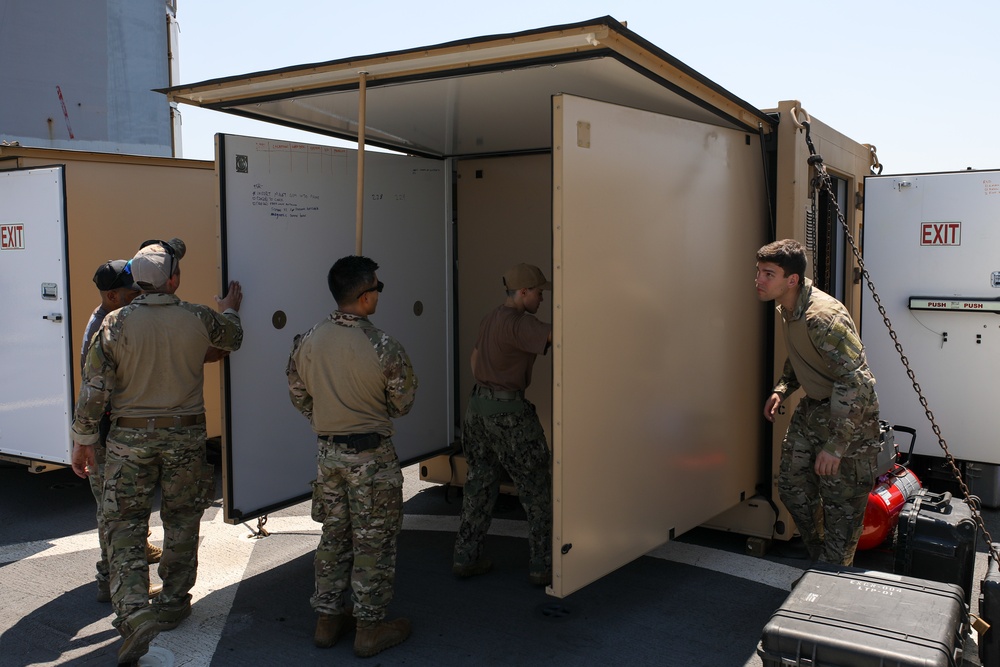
{"x":261,"y":531}
{"x":822,"y":180}
{"x":812,"y":229}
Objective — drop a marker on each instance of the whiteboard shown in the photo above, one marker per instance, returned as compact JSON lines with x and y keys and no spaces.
{"x":36,"y":401}
{"x":287,"y":214}
{"x":936,"y":235}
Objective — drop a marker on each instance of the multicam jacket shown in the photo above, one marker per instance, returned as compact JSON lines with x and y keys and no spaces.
{"x":826,"y":357}
{"x":347,"y":376}
{"x":148,"y":360}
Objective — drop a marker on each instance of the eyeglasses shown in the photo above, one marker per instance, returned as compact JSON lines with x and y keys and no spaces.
{"x":377,"y":288}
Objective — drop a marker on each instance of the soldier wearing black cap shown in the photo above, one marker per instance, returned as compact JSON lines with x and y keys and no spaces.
{"x":117,"y":290}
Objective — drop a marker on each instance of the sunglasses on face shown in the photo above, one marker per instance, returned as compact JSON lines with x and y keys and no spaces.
{"x":377,"y":288}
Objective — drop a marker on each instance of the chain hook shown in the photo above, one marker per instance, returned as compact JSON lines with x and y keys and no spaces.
{"x":795,"y":111}
{"x":876,"y":166}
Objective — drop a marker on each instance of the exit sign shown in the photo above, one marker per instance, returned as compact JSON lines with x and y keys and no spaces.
{"x":941,"y":233}
{"x":12,"y":236}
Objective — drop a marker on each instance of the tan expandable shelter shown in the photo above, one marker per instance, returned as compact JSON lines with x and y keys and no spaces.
{"x":639,"y":186}
{"x":113,"y":203}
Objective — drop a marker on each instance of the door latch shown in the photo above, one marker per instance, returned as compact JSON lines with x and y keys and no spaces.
{"x":54,"y":317}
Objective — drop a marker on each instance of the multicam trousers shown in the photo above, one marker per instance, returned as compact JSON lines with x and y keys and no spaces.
{"x":358,"y":497}
{"x":828,"y":510}
{"x":96,"y":479}
{"x":139,"y":460}
{"x":497,"y":436}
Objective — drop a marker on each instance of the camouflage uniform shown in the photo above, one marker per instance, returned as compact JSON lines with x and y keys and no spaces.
{"x":501,"y":431}
{"x":350,"y":378}
{"x":839,"y":415}
{"x":498,"y":435}
{"x":96,"y":477}
{"x":147,"y":361}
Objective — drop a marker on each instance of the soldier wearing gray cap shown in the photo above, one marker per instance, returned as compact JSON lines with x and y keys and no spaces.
{"x":501,"y":431}
{"x":117,"y":290}
{"x":147,"y":360}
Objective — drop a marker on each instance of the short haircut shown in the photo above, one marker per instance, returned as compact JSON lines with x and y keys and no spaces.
{"x":787,"y":254}
{"x":349,"y":276}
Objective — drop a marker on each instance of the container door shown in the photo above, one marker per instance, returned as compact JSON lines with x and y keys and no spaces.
{"x":36,"y":397}
{"x":658,"y":342}
{"x":288,"y":213}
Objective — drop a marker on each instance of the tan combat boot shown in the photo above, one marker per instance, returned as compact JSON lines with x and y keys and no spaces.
{"x":153,"y":553}
{"x":331,"y":627}
{"x":540,"y":578}
{"x":138,"y":629}
{"x":104,"y":590}
{"x":169,"y":617}
{"x":375,"y":637}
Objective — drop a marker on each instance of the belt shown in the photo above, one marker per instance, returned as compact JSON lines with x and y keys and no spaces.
{"x":497,"y":394}
{"x":149,"y":423}
{"x":359,"y":442}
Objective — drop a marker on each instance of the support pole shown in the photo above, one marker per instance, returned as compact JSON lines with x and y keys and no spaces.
{"x":360,"y":202}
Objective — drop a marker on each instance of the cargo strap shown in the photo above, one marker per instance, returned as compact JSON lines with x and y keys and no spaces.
{"x":150,"y":423}
{"x":822,"y":181}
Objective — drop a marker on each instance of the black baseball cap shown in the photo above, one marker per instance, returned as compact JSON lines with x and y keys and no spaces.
{"x":112,"y":275}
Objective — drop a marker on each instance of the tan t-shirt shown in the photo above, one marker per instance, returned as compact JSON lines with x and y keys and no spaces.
{"x":148,"y":360}
{"x":350,"y":377}
{"x":508,"y":342}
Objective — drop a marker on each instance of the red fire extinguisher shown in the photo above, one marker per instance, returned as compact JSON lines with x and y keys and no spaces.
{"x":884,"y":503}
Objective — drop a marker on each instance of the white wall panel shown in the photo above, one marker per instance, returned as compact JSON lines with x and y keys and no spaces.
{"x":288,"y":213}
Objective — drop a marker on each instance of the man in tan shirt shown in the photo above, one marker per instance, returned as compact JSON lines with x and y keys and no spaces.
{"x":147,"y":362}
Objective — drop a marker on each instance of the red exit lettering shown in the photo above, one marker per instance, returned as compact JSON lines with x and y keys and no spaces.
{"x":12,"y":237}
{"x":941,"y":233}
{"x":972,"y":306}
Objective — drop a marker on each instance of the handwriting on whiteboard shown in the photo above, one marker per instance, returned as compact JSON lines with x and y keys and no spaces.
{"x":280,"y":204}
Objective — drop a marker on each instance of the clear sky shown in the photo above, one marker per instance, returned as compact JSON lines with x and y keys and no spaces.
{"x":919,"y":79}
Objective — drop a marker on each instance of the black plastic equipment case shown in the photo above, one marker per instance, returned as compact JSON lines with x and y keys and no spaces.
{"x":936,"y":539}
{"x":849,"y":616}
{"x":989,"y":611}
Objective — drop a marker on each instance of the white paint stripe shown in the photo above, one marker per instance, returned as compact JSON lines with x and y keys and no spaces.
{"x":736,"y":565}
{"x":223,"y":559}
{"x":61,"y":545}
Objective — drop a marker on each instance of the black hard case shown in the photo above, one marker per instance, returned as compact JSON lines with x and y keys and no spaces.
{"x":849,"y":616}
{"x":936,"y":539}
{"x":989,"y":611}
